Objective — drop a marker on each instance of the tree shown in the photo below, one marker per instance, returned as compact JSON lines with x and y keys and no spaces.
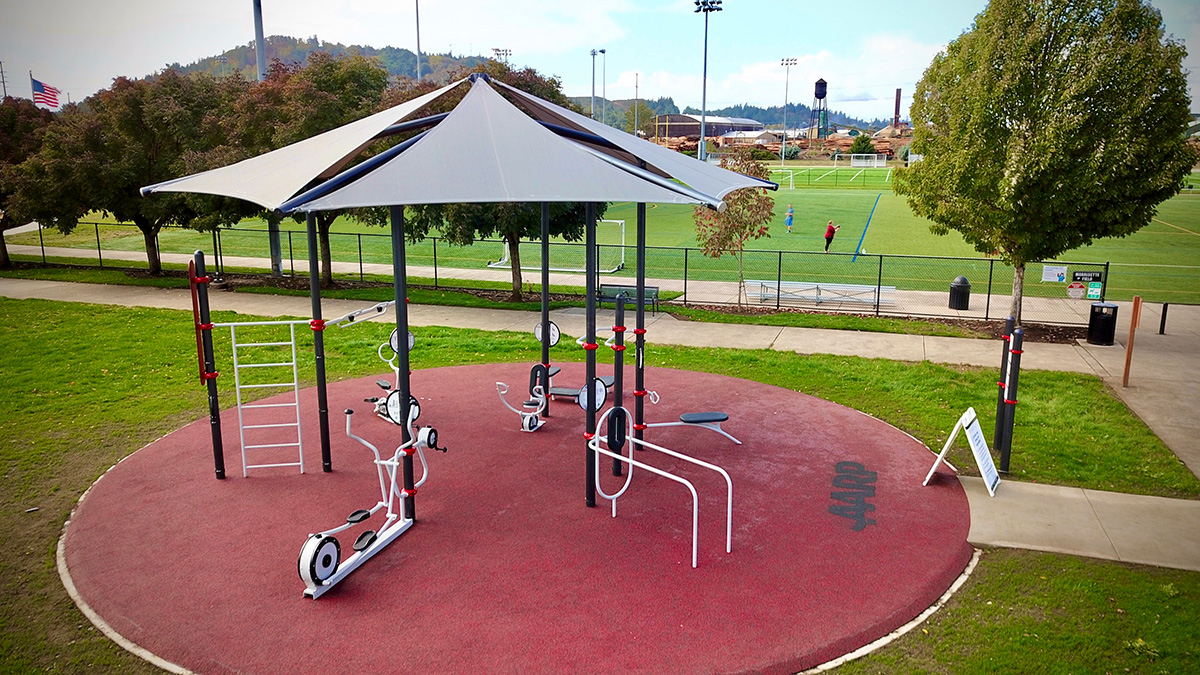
{"x":645,"y":119}
{"x":462,"y":224}
{"x":22,"y":125}
{"x":745,"y":218}
{"x":1048,"y":125}
{"x":862,"y":145}
{"x":96,"y":155}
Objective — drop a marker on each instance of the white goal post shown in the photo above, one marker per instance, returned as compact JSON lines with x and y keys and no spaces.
{"x":869,"y":161}
{"x":571,"y":257}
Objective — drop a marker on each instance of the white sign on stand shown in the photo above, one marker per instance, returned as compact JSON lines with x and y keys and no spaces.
{"x":983,"y":458}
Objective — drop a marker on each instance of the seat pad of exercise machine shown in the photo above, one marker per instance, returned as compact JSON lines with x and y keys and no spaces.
{"x":573,"y":392}
{"x":703,"y":417}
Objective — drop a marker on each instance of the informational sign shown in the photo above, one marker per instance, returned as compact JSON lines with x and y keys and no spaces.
{"x":969,"y":422}
{"x":1093,"y":290}
{"x":1054,"y":273}
{"x":1075,"y":290}
{"x":1087,"y":275}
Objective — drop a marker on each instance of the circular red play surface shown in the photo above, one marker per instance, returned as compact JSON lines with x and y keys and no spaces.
{"x":835,"y":541}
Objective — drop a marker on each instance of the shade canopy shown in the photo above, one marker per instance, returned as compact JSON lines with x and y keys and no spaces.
{"x":488,"y":151}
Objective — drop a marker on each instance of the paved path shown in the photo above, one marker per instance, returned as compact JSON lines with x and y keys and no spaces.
{"x":1164,"y":390}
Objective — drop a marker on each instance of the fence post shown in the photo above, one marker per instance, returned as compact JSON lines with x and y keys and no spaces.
{"x":1104,"y":286}
{"x":360,"y":266}
{"x":685,"y":276}
{"x":291,"y":254}
{"x":435,"y":269}
{"x":778,"y":282}
{"x":879,"y":286}
{"x":98,"y":253}
{"x":42,"y":242}
{"x":987,"y":309}
{"x":1162,"y":322}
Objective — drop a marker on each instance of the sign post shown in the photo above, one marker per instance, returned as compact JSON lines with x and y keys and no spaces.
{"x":969,"y":422}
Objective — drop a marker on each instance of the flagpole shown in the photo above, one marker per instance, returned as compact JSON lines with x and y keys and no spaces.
{"x":32,"y":93}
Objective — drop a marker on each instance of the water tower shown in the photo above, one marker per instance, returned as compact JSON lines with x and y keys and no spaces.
{"x":818,"y":121}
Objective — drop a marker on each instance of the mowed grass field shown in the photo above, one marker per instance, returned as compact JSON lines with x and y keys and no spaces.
{"x":1161,"y":262}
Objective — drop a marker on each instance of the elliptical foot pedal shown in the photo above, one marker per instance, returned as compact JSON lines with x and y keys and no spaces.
{"x":364,"y":540}
{"x":358,"y":516}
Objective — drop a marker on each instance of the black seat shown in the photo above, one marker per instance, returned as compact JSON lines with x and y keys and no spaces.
{"x":703,"y":417}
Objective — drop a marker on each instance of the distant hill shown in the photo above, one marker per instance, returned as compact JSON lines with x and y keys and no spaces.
{"x":797,"y":113}
{"x":399,"y":62}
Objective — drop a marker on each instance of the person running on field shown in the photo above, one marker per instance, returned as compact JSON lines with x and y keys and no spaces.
{"x":787,"y":220}
{"x":829,"y":232}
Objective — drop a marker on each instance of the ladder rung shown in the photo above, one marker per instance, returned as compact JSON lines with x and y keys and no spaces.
{"x":264,"y":344}
{"x":269,"y":426}
{"x":270,"y":445}
{"x":270,"y":466}
{"x":263,"y":365}
{"x":268,"y":405}
{"x":260,"y":386}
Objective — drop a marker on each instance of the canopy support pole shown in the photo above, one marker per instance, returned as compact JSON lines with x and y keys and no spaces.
{"x":546,"y":292}
{"x":639,"y":364}
{"x":403,"y":385}
{"x":318,"y":326}
{"x":590,"y":346}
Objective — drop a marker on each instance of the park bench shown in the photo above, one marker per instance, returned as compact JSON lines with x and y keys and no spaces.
{"x":819,"y":292}
{"x":609,"y":293}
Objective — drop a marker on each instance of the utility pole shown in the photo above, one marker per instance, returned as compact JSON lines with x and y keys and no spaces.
{"x":787,"y":64}
{"x":260,"y":47}
{"x":417,"y":3}
{"x":635,"y":104}
{"x":3,"y":82}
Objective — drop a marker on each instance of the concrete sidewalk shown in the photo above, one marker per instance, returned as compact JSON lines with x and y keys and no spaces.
{"x":1164,"y":390}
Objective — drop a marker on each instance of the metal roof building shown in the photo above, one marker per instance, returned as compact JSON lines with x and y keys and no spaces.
{"x":675,"y":125}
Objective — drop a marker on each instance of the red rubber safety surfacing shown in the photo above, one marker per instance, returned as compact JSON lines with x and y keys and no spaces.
{"x":505,"y":569}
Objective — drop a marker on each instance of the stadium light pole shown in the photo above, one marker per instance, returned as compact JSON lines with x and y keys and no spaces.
{"x":592,"y":113}
{"x":603,"y":85}
{"x":787,"y":65}
{"x":502,"y":54}
{"x":707,"y":7}
{"x":417,"y":7}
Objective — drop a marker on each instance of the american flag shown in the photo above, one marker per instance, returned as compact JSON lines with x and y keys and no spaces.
{"x":44,"y":93}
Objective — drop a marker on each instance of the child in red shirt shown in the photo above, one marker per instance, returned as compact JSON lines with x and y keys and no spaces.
{"x":829,"y":232}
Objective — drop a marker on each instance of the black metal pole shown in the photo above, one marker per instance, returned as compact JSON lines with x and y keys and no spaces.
{"x":998,"y":435}
{"x":1010,"y":399}
{"x":99,"y":254}
{"x":360,"y":263}
{"x":42,"y":243}
{"x":639,"y":332}
{"x":618,"y":372}
{"x":1104,"y":285}
{"x":400,"y":275}
{"x":879,"y":286}
{"x":589,"y":344}
{"x":209,"y":375}
{"x":685,"y":275}
{"x":435,"y":269}
{"x":546,"y":295}
{"x":987,"y":310}
{"x":778,"y":282}
{"x":291,"y":254}
{"x":1162,"y":322}
{"x":318,"y":327}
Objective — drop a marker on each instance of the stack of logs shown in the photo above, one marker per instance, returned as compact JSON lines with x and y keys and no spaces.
{"x":824,"y":147}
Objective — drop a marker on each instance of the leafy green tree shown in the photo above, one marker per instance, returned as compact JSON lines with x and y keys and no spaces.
{"x":462,"y":224}
{"x":645,"y":119}
{"x":745,"y":218}
{"x":1048,"y":125}
{"x":96,"y":155}
{"x":862,"y":145}
{"x":22,"y":125}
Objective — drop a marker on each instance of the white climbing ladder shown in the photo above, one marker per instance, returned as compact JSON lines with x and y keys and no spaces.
{"x":239,"y":354}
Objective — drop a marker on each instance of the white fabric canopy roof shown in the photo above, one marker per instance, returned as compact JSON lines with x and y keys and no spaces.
{"x":271,"y":179}
{"x":488,"y":151}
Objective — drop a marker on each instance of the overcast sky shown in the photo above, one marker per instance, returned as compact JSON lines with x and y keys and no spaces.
{"x":865,"y":51}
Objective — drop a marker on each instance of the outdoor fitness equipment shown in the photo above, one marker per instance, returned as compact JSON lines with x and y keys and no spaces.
{"x":616,"y":437}
{"x":531,"y":410}
{"x":320,"y":565}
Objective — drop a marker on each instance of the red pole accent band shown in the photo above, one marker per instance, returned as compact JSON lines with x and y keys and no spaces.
{"x":639,"y":331}
{"x":1001,"y":384}
{"x":201,"y":280}
{"x":317,"y":324}
{"x":204,"y":326}
{"x":640,"y":392}
{"x":588,"y":436}
{"x":1010,"y":401}
{"x":1017,"y":351}
{"x":638,"y":427}
{"x":618,"y":348}
{"x":1005,"y":337}
{"x":618,"y":329}
{"x":590,"y":345}
{"x":407,"y":300}
{"x":408,"y":493}
{"x":210,"y":376}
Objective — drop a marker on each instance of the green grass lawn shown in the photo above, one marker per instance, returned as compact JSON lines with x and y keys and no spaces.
{"x":75,"y":404}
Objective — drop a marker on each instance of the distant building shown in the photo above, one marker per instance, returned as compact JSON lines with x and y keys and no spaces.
{"x":688,"y":126}
{"x":747,"y":138}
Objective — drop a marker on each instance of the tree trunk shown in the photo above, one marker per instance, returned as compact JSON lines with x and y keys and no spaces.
{"x":514,"y":256}
{"x":150,"y":236}
{"x":5,"y":262}
{"x":324,"y":222}
{"x":1018,"y":289}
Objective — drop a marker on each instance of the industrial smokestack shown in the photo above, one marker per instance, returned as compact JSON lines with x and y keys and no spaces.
{"x":896,"y":119}
{"x":260,"y":48}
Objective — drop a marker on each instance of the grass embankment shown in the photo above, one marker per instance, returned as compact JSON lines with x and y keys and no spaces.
{"x":87,"y":385}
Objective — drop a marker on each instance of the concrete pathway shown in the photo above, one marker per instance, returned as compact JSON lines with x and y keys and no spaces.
{"x":1164,"y":390}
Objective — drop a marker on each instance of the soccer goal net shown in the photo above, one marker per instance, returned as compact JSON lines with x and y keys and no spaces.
{"x":572,"y":256}
{"x":868,"y":160}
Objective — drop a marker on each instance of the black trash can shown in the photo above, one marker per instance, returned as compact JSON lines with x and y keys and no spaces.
{"x":960,"y":293}
{"x":1102,"y":324}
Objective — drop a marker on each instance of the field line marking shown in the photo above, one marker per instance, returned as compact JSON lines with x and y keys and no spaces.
{"x":825,"y":174}
{"x":1176,"y":227}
